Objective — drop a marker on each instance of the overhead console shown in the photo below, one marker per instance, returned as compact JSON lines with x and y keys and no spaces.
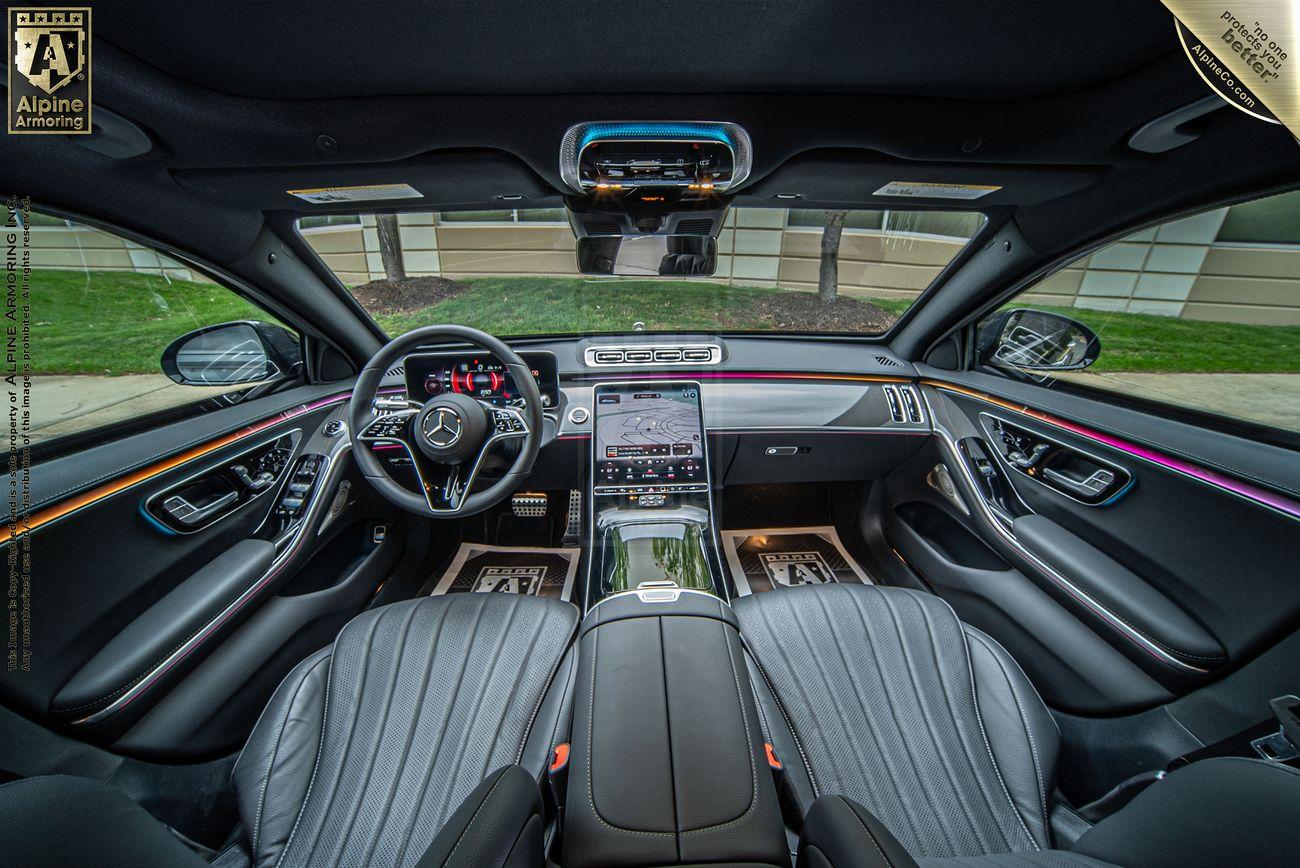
{"x":650,"y":194}
{"x":695,"y":155}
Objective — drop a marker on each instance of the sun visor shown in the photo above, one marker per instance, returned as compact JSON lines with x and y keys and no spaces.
{"x":858,"y":178}
{"x":441,"y":180}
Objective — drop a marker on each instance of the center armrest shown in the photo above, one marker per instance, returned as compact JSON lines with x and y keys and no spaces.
{"x":667,"y":763}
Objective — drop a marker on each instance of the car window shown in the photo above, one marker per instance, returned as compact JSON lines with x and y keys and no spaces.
{"x":514,"y":271}
{"x":102,"y":311}
{"x":1203,"y":312}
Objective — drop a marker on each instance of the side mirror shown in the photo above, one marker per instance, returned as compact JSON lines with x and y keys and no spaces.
{"x":232,"y":353}
{"x":1031,"y":340}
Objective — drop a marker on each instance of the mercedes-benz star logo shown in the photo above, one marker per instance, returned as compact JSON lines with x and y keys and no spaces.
{"x":442,"y":427}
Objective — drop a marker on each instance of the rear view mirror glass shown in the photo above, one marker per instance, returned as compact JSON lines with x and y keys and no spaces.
{"x":1033,"y":340}
{"x":648,"y":255}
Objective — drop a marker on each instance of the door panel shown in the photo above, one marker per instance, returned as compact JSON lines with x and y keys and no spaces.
{"x":1182,"y":565}
{"x":140,"y":603}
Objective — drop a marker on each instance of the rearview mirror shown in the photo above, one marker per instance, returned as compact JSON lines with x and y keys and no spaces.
{"x":231,"y":353}
{"x":648,"y":255}
{"x":1031,"y":340}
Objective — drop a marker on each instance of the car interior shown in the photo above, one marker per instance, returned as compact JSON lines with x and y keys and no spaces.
{"x":505,"y":512}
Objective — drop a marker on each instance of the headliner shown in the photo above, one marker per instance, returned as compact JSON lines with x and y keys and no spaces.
{"x":977,"y":49}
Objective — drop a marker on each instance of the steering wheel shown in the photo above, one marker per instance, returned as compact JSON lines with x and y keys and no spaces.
{"x":447,"y":437}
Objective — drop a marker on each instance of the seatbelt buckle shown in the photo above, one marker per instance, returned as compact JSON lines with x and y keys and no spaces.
{"x":557,"y":777}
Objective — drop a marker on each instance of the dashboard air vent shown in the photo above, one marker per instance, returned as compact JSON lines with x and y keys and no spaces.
{"x":889,"y":362}
{"x":652,"y":354}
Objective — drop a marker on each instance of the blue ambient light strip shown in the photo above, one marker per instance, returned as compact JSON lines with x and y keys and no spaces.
{"x":706,"y":132}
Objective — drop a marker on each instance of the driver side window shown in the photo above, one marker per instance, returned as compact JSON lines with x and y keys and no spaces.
{"x":102,"y":311}
{"x":1201,"y":312}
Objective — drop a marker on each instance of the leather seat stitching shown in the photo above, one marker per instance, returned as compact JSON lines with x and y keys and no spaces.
{"x":431,"y":655}
{"x":979,"y":718}
{"x":865,"y":828}
{"x":970,"y":759}
{"x":934,"y":736}
{"x":347,"y":745}
{"x":320,"y":746}
{"x":481,"y":805}
{"x":591,"y":717}
{"x":812,"y":779}
{"x":430,"y":764}
{"x":500,"y":643}
{"x":767,"y":624}
{"x":1039,"y":777}
{"x":864,"y":773}
{"x":379,"y":730}
{"x":546,"y":687}
{"x":275,"y":750}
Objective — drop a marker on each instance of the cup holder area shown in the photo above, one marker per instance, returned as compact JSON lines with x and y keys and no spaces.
{"x":948,"y":537}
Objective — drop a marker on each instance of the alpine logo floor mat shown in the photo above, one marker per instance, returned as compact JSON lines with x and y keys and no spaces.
{"x":771,"y":558}
{"x":479,"y":568}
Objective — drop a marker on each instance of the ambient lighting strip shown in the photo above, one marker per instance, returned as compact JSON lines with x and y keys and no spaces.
{"x":759,"y":375}
{"x":65,"y":508}
{"x":1232,"y":485}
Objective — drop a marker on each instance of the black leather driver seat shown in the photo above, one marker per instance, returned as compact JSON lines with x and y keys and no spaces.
{"x":399,"y":744}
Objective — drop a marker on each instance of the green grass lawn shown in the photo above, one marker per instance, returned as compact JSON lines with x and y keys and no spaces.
{"x":119,"y":322}
{"x":116,"y":322}
{"x":1142,"y":342}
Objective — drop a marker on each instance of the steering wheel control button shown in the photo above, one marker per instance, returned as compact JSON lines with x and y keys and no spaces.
{"x":507,"y":422}
{"x":387,"y":427}
{"x":579,"y":415}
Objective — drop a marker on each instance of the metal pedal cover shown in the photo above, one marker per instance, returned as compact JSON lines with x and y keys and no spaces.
{"x":573,"y":521}
{"x":529,"y":504}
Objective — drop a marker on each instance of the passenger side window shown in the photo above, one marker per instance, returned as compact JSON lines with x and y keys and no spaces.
{"x":102,"y":311}
{"x":1202,"y":312}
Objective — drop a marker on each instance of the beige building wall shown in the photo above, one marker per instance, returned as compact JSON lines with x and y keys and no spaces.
{"x":1176,"y":269}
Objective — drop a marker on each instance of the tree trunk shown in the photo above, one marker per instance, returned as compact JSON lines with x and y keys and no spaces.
{"x":828,"y":276}
{"x":390,"y":246}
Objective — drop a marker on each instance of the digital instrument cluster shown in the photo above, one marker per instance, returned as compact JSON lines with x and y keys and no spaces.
{"x":478,"y":375}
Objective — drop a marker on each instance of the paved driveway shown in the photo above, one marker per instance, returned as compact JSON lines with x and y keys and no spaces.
{"x":64,"y":404}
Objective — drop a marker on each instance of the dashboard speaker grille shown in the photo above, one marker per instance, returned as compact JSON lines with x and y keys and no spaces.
{"x":889,"y":362}
{"x":395,"y":371}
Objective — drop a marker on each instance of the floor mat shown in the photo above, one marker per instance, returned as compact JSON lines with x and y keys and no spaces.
{"x":497,"y":569}
{"x":782,"y":557}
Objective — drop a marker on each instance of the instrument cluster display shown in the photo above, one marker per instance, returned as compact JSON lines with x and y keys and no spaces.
{"x":478,"y":375}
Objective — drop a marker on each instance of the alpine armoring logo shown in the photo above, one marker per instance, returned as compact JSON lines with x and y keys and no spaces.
{"x":49,"y":71}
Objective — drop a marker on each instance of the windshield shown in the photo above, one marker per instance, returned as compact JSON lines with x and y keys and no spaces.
{"x":514,"y":272}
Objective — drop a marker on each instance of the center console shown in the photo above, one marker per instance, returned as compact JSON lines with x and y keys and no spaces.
{"x":668,"y":764}
{"x":650,"y":491}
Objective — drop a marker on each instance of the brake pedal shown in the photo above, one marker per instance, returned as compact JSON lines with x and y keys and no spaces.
{"x":529,"y":504}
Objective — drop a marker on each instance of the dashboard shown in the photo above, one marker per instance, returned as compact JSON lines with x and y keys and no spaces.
{"x":478,"y":375}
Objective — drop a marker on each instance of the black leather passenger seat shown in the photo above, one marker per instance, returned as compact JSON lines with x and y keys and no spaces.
{"x":914,"y":739}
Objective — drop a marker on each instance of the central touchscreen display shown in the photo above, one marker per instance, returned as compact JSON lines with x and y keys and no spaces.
{"x":648,"y":434}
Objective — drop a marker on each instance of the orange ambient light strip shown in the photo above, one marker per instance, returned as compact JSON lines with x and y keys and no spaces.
{"x":59,"y":510}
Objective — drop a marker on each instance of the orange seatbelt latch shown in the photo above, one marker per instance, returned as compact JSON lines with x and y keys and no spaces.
{"x":771,"y":756}
{"x":560,"y":758}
